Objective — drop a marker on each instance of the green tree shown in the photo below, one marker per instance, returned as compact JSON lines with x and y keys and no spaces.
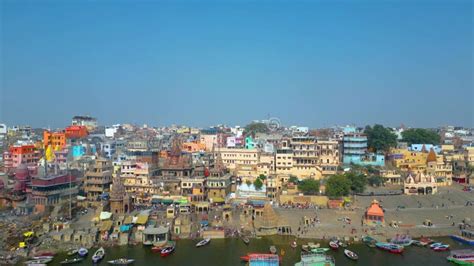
{"x":248,"y":182}
{"x":309,"y":186}
{"x":258,"y":184}
{"x":338,"y":186}
{"x":376,"y":181}
{"x":420,"y":136}
{"x":253,"y":128}
{"x":262,"y":177}
{"x":293,"y":179}
{"x":358,"y":181}
{"x":380,"y":138}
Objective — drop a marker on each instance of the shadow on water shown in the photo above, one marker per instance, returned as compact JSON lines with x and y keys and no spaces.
{"x":228,"y":252}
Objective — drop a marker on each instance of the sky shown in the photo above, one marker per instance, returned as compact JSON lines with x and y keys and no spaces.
{"x":201,"y":63}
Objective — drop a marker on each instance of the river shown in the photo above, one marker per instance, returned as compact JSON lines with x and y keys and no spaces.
{"x":227,"y":252}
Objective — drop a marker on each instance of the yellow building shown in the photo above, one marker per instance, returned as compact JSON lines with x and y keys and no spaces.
{"x":243,"y":162}
{"x":469,"y":155}
{"x":407,"y":160}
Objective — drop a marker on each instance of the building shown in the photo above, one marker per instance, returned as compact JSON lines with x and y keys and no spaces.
{"x":89,"y":122}
{"x":18,"y":154}
{"x":57,"y":140}
{"x":355,"y":151}
{"x":420,"y":184}
{"x":218,"y":187}
{"x":136,"y":177}
{"x":76,"y":132}
{"x":305,"y":157}
{"x":284,"y":161}
{"x":243,"y":162}
{"x":120,"y":201}
{"x":52,"y":189}
{"x":374,"y":215}
{"x":97,"y":181}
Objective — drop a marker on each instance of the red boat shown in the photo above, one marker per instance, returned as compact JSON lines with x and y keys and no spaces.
{"x":45,"y":254}
{"x":156,"y":249}
{"x":426,"y":241}
{"x":167,"y":251}
{"x":334,"y":245}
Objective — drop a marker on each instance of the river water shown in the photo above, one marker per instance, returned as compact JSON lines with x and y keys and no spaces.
{"x":228,"y":251}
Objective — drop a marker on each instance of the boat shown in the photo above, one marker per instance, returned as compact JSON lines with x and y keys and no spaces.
{"x":319,"y":250}
{"x":82,"y":252}
{"x":43,"y":257}
{"x":203,"y":242}
{"x":369,"y":241}
{"x":262,"y":256}
{"x":264,"y":259}
{"x":466,"y":237}
{"x":350,"y":254}
{"x":342,"y":244}
{"x":36,"y":264}
{"x":333,"y":245}
{"x":441,"y":248}
{"x":426,"y":241}
{"x":245,"y":239}
{"x":45,"y":253}
{"x":38,"y":261}
{"x":167,"y":251}
{"x":72,"y":252}
{"x":418,"y":243}
{"x":316,"y":260}
{"x":311,"y":245}
{"x":98,"y":255}
{"x":121,"y":261}
{"x":293,"y":244}
{"x":156,"y":249}
{"x":437,"y":244}
{"x":273,"y":250}
{"x":402,"y":240}
{"x":392,"y":248}
{"x":462,"y":257}
{"x":72,"y":261}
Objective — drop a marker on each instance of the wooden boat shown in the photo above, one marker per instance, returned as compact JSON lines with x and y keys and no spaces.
{"x":402,"y":240}
{"x":203,"y":242}
{"x":98,"y":255}
{"x":72,"y":261}
{"x":167,"y":251}
{"x":441,"y":248}
{"x":305,"y":248}
{"x":311,"y":245}
{"x":342,"y":244}
{"x":426,"y":241}
{"x":156,"y":249}
{"x":369,"y":241}
{"x":319,"y":250}
{"x":437,"y":244}
{"x":82,"y":252}
{"x":121,"y":261}
{"x":38,"y":261}
{"x":392,"y":248}
{"x":36,"y":264}
{"x":418,"y":243}
{"x":273,"y":250}
{"x":334,"y":245}
{"x":466,"y":237}
{"x":350,"y":254}
{"x":43,"y":257}
{"x":72,"y":252}
{"x":462,"y":257}
{"x":293,"y":244}
{"x":245,"y":239}
{"x":45,"y":253}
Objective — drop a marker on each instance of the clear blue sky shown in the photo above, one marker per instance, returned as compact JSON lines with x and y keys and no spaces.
{"x":314,"y":63}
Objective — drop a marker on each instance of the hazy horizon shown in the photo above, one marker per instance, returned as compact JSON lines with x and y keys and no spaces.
{"x":308,"y":63}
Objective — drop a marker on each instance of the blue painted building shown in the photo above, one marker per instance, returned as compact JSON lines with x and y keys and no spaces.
{"x":355,"y":150}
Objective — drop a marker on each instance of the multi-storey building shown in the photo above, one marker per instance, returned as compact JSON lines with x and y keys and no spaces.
{"x":57,"y":140}
{"x":243,"y":162}
{"x":137,"y":180}
{"x":98,"y":180}
{"x":52,"y":189}
{"x":89,"y":122}
{"x":18,"y":154}
{"x":355,"y":151}
{"x":284,"y":161}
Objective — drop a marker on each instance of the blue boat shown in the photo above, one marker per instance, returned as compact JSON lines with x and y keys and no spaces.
{"x":466,"y":237}
{"x":82,"y":252}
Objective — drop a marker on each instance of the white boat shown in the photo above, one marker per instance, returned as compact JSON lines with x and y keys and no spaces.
{"x":121,"y":261}
{"x":203,"y":242}
{"x":98,"y":255}
{"x":82,"y":252}
{"x":72,"y":261}
{"x":38,"y":261}
{"x":273,"y":250}
{"x":350,"y":254}
{"x":43,"y":257}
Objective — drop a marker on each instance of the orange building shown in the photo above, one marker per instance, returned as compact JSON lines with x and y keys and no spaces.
{"x":374,"y":215}
{"x":57,"y":140}
{"x":76,"y":132}
{"x":193,"y":147}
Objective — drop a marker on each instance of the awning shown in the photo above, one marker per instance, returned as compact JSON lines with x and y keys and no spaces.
{"x":125,"y":228}
{"x":142,"y":219}
{"x":105,"y":215}
{"x":218,"y":200}
{"x":128,"y":220}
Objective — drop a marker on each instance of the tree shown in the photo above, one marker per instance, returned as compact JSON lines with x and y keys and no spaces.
{"x":358,"y":181}
{"x":338,"y":186}
{"x":380,"y":138}
{"x":248,"y":182}
{"x":309,"y":186}
{"x":293,"y":179}
{"x":262,"y":177}
{"x":420,"y":136}
{"x":376,"y":181}
{"x":258,"y":184}
{"x":253,"y":128}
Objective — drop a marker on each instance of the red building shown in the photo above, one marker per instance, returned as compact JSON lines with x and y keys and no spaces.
{"x":76,"y":132}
